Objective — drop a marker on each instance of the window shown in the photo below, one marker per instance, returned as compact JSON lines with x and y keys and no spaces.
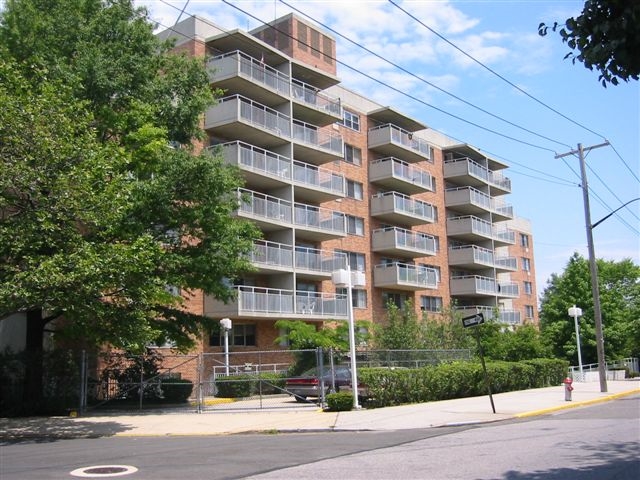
{"x":351,"y":120}
{"x":398,"y":299}
{"x":354,"y":189}
{"x":352,"y":154}
{"x":524,"y":240}
{"x":528,"y":311}
{"x":356,"y":260}
{"x":355,"y":225}
{"x":242,"y":335}
{"x":431,"y":304}
{"x":526,"y":264}
{"x":528,"y":288}
{"x":302,"y":36}
{"x":358,"y":297}
{"x":435,"y":267}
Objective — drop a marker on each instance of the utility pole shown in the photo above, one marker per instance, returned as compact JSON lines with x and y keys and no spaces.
{"x":595,"y":289}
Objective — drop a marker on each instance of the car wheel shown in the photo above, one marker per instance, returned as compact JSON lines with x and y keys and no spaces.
{"x":300,"y":399}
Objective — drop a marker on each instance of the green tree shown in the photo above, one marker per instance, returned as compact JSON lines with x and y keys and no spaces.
{"x":401,"y":331}
{"x":606,"y":36}
{"x":99,"y":216}
{"x":619,"y":284}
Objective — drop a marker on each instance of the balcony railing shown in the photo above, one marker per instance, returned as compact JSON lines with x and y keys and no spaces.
{"x":313,"y":97}
{"x":310,"y":216}
{"x":511,"y":317}
{"x":259,"y":300}
{"x":323,"y":261}
{"x":404,"y":239}
{"x":474,"y":254}
{"x":259,"y":205}
{"x":470,"y":224}
{"x":312,"y":135}
{"x":408,"y":206}
{"x":257,"y":160}
{"x":462,"y":195}
{"x":476,"y":284}
{"x":318,"y":178}
{"x":401,"y":170}
{"x":390,"y":133}
{"x":272,"y":254}
{"x":402,"y":274}
{"x":473,"y":168}
{"x":245,"y":66}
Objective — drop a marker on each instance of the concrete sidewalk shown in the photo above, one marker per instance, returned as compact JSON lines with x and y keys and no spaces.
{"x":424,"y":415}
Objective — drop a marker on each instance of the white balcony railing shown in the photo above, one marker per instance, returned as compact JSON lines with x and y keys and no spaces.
{"x":259,"y":300}
{"x":315,"y":98}
{"x":241,"y":64}
{"x":408,"y":206}
{"x":473,"y":168}
{"x":401,"y":137}
{"x":316,"y":137}
{"x":261,"y":206}
{"x":404,"y":239}
{"x":254,"y":159}
{"x":401,"y":170}
{"x":318,"y":178}
{"x":318,"y":218}
{"x":402,"y":274}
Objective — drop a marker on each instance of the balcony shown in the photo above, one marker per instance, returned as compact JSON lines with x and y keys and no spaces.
{"x":242,"y":118}
{"x":511,"y":317}
{"x":270,"y":213}
{"x":259,"y":166}
{"x":316,"y":145}
{"x":312,"y":263}
{"x":466,"y":171}
{"x":470,"y":201}
{"x":471,"y":257}
{"x":403,"y":276}
{"x":392,"y":141}
{"x":473,"y":229}
{"x":394,"y":174}
{"x":317,"y":223}
{"x":312,"y":105}
{"x":242,"y":74}
{"x":276,"y":304}
{"x":479,"y":286}
{"x":399,"y":242}
{"x":396,"y":208}
{"x":272,"y":257}
{"x":317,"y":184}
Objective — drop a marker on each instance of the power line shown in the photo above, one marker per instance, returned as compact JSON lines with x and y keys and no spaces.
{"x":442,"y":37}
{"x":625,"y":163}
{"x":399,"y":67}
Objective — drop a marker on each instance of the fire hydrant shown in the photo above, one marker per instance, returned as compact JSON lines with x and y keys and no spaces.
{"x":567,"y":389}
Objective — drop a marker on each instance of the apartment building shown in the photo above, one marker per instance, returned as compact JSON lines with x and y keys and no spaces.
{"x":333,"y":178}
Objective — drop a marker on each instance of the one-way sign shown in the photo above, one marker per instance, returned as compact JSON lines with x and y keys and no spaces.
{"x":473,"y":320}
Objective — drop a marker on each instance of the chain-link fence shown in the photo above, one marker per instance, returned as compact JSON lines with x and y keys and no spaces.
{"x":68,"y":381}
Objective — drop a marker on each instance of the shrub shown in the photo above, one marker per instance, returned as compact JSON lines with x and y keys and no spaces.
{"x":340,"y":401}
{"x":176,"y":390}
{"x":237,"y":386}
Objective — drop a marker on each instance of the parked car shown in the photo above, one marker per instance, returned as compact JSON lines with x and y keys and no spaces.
{"x":308,"y":384}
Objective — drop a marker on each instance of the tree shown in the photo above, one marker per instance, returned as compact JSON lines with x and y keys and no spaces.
{"x":98,"y":214}
{"x":620,"y":305}
{"x":607,"y":38}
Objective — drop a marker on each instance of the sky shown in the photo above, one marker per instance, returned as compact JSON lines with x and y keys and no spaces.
{"x":477,"y":71}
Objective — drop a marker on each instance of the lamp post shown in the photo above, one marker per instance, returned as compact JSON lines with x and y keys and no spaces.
{"x":342,"y":278}
{"x":576,"y":312}
{"x":226,"y":325}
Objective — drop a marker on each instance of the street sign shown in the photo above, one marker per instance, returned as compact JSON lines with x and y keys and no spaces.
{"x":473,"y":320}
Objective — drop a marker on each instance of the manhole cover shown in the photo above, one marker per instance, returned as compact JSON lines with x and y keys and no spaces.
{"x":104,"y":471}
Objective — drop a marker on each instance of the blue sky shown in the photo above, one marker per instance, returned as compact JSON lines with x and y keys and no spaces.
{"x":502,"y":35}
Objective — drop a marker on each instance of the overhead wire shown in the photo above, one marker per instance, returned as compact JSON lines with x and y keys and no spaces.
{"x":440,"y":89}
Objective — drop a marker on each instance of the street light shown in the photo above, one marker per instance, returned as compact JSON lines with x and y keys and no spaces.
{"x":576,"y":312}
{"x":226,"y":325}
{"x":343,"y":278}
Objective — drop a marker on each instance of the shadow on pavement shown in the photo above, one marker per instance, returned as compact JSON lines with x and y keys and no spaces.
{"x":50,"y":429}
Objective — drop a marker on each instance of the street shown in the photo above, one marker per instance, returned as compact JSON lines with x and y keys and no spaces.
{"x":596,"y":442}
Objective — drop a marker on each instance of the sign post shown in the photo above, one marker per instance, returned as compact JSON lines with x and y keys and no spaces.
{"x":474,"y":321}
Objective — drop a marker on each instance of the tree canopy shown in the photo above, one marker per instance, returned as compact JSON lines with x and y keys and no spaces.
{"x":102,"y":219}
{"x":606,"y":36}
{"x":619,"y":284}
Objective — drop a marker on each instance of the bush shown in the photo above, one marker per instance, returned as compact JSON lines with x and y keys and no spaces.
{"x":176,"y":390}
{"x":387,"y":387}
{"x":340,"y":402}
{"x":237,"y":386}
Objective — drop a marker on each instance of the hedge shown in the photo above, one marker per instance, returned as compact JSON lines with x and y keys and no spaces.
{"x":241,"y":386}
{"x":388,"y":386}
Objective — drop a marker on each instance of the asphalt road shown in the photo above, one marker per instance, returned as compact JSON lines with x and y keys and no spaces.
{"x":597,"y":442}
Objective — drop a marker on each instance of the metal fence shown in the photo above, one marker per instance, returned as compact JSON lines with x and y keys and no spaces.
{"x":72,"y":381}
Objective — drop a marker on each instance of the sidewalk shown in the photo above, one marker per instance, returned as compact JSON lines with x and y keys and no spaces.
{"x":425,"y":415}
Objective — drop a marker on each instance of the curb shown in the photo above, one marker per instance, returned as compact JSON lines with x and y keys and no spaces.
{"x":583,"y":403}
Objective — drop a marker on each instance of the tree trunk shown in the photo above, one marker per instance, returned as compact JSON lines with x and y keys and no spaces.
{"x":33,"y":391}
